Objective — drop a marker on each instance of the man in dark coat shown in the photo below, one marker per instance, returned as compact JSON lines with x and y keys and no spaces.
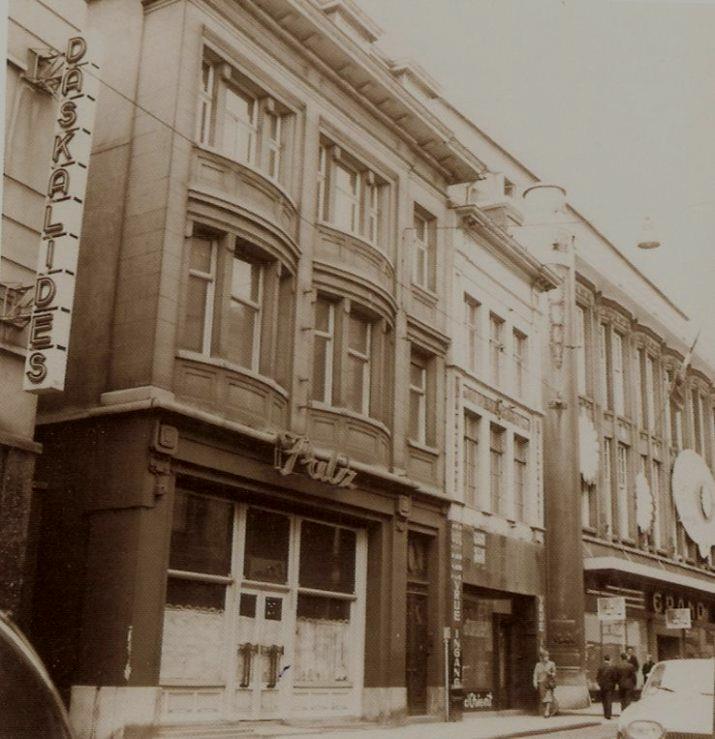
{"x":632,"y":658}
{"x":626,"y":681}
{"x":647,"y":667}
{"x":607,"y":678}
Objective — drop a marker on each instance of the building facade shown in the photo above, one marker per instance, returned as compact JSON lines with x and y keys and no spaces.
{"x":245,"y":514}
{"x":36,"y":38}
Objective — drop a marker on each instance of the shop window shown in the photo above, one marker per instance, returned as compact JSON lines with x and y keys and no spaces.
{"x":201,"y":535}
{"x":521,"y":477}
{"x":350,"y":357}
{"x":471,"y":458}
{"x":238,"y":306}
{"x":471,"y":323}
{"x":520,"y":347}
{"x":240,"y":119}
{"x":424,"y":256}
{"x":351,"y":197}
{"x":327,"y":557}
{"x":324,"y":647}
{"x":266,"y":551}
{"x":496,"y":347}
{"x":496,"y":467}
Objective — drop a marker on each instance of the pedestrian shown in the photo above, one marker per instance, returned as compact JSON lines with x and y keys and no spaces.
{"x":607,"y":678}
{"x":632,"y":658}
{"x":626,"y":681}
{"x":545,"y":683}
{"x":647,"y":666}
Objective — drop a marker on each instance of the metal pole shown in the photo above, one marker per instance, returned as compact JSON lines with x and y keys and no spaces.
{"x":446,"y":673}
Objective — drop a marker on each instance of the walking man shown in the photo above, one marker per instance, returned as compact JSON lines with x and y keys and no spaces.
{"x":647,"y":667}
{"x":607,"y":678}
{"x":626,"y":681}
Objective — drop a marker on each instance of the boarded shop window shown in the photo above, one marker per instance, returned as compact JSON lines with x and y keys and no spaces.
{"x":327,"y":557}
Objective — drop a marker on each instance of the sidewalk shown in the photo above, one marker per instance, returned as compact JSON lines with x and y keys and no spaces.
{"x":484,"y":725}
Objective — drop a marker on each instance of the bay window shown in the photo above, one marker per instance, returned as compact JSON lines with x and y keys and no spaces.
{"x":244,"y":325}
{"x":198,"y":316}
{"x":240,"y":119}
{"x":350,"y":357}
{"x":351,"y":197}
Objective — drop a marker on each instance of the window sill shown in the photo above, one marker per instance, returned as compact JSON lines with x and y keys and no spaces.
{"x":340,"y":411}
{"x":429,"y":296}
{"x":423,"y":447}
{"x":589,"y":530}
{"x":323,"y":686}
{"x":249,"y":168}
{"x":231,"y":367}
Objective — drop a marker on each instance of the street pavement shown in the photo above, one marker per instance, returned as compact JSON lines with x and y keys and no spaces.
{"x":604,"y":731}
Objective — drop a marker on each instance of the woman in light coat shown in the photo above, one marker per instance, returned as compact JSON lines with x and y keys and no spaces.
{"x":545,"y":683}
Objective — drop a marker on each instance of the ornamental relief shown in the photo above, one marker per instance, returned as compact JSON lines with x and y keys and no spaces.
{"x":584,"y":296}
{"x":607,"y":314}
{"x":497,"y":407}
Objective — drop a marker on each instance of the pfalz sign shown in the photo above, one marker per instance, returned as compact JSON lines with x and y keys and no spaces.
{"x":49,"y":331}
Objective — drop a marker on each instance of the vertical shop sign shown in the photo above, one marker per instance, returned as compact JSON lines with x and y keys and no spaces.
{"x":456,"y":568}
{"x":49,"y":330}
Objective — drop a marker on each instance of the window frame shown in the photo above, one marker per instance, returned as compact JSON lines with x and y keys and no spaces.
{"x":521,"y":443}
{"x":470,"y":441}
{"x":496,"y":467}
{"x":623,"y":488}
{"x":520,"y":353}
{"x":496,"y":347}
{"x":210,"y":298}
{"x":472,"y":310}
{"x":366,"y":360}
{"x":419,"y":394}
{"x":257,"y":307}
{"x":329,"y":336}
{"x":618,"y":371}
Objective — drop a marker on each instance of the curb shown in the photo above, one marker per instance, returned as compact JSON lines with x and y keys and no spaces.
{"x":548,"y":730}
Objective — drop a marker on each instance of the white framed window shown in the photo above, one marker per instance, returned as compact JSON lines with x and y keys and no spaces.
{"x":496,"y":467}
{"x":418,"y":398}
{"x":240,"y":126}
{"x":351,"y":196}
{"x":639,"y":384}
{"x":619,"y":391}
{"x":660,"y":531}
{"x":471,"y":323}
{"x":496,"y":347}
{"x":520,"y":349}
{"x":624,"y":512}
{"x":273,"y":133}
{"x":421,"y":253}
{"x":358,"y":360}
{"x":650,"y":393}
{"x":244,"y":325}
{"x":323,"y":350}
{"x":521,"y":476}
{"x":198,"y":316}
{"x":604,"y":366}
{"x":471,"y":458}
{"x":206,"y":103}
{"x":581,"y":351}
{"x":608,"y":483}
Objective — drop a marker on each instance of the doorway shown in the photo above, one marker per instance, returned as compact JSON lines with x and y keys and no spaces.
{"x":502,"y":680}
{"x":668,"y":647}
{"x":417,"y":633}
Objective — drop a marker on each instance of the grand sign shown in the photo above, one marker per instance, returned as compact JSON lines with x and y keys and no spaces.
{"x":49,"y":329}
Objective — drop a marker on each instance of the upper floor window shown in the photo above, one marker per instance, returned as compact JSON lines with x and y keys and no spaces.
{"x":238,"y":305}
{"x":604,"y":366}
{"x":624,"y":508}
{"x":471,"y":322}
{"x":581,"y":350}
{"x":639,"y":380}
{"x":424,"y":256}
{"x":496,"y":467}
{"x":520,"y":347}
{"x":618,"y":379}
{"x":496,"y":346}
{"x":651,"y":396}
{"x":608,"y":483}
{"x":240,"y":119}
{"x":471,"y":457}
{"x":521,"y":476}
{"x":421,"y":403}
{"x":350,"y":367}
{"x":351,"y":196}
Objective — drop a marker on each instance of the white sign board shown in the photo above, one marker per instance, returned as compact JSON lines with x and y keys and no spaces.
{"x":611,"y":609}
{"x":49,"y":331}
{"x":677,"y":618}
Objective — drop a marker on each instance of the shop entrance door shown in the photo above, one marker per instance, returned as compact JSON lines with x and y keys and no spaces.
{"x":668,"y":647}
{"x":417,"y":652}
{"x":502,"y":661}
{"x":261,"y":654}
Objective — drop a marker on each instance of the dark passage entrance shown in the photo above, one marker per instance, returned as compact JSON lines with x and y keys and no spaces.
{"x":668,"y":647}
{"x":417,"y":626}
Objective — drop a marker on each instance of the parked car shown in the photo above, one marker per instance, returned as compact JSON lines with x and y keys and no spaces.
{"x":676,"y":701}
{"x":31,"y":706}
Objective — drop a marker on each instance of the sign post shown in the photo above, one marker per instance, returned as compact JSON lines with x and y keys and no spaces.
{"x":612,"y":610}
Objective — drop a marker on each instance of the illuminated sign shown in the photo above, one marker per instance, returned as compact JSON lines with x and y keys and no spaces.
{"x":49,"y":329}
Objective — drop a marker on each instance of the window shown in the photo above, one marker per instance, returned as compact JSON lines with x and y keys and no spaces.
{"x":471,"y":458}
{"x":623,"y":500}
{"x":521,"y":477}
{"x":244,"y":325}
{"x":267,"y":545}
{"x":496,"y":467}
{"x":351,"y":196}
{"x":650,"y":394}
{"x":424,"y":261}
{"x":581,"y":351}
{"x":198,"y":316}
{"x":520,"y":361}
{"x":660,"y":530}
{"x":496,"y":346}
{"x":604,"y":366}
{"x":323,"y":350}
{"x":588,"y":505}
{"x":471,"y":322}
{"x":358,"y":361}
{"x":639,"y":388}
{"x":608,"y":483}
{"x":418,"y":398}
{"x":619,"y":392}
{"x":243,"y":121}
